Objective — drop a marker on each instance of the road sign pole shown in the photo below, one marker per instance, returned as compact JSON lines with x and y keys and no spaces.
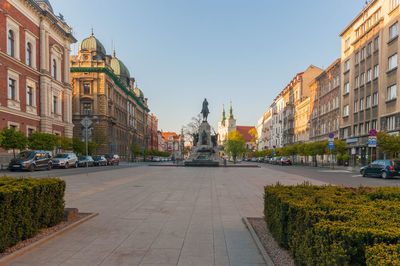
{"x":87,"y":146}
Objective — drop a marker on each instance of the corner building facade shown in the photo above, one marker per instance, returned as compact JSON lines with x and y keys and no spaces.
{"x":104,"y":91}
{"x":370,"y":48}
{"x":34,"y":68}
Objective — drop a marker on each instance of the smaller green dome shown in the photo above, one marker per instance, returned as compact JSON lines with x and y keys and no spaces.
{"x":91,"y":44}
{"x":120,"y":70}
{"x":139,"y":93}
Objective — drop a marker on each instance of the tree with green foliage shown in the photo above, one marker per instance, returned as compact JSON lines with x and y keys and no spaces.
{"x":42,"y":141}
{"x":389,"y":144}
{"x":235,"y":145}
{"x":65,"y":143}
{"x":13,"y":140}
{"x":340,"y":147}
{"x":136,"y":150}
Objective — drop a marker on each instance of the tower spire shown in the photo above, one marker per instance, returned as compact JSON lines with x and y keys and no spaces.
{"x":223,"y":114}
{"x":231,"y":112}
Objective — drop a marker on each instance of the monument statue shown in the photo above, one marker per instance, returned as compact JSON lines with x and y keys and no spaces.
{"x":195,"y":139}
{"x":205,"y":110}
{"x":204,"y":138}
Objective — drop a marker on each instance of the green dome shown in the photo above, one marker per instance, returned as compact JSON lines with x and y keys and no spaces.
{"x":47,"y":2}
{"x":120,"y":70}
{"x":139,"y":93}
{"x":91,"y":44}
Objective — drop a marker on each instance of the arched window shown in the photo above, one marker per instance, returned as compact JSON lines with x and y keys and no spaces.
{"x":29,"y":54}
{"x":54,"y":69}
{"x":11,"y":43}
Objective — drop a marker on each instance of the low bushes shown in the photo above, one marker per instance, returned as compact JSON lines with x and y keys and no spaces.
{"x":383,"y":254}
{"x":332,"y":225}
{"x":28,"y":205}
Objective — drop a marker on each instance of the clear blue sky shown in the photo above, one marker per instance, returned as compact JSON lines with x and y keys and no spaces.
{"x":181,"y":51}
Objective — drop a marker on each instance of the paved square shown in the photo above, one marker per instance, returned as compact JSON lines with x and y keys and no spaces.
{"x":162,"y":216}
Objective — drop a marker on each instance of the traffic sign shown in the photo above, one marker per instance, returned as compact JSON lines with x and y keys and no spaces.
{"x":331,"y":145}
{"x":373,"y":132}
{"x":274,"y":152}
{"x":86,"y":122}
{"x":372,"y":141}
{"x":331,"y":136}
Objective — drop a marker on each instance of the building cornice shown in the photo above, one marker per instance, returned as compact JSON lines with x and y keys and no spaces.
{"x":114,"y":78}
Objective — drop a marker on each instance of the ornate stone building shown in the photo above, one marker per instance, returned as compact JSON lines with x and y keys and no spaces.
{"x":152,"y":130}
{"x":104,"y":91}
{"x":34,"y":68}
{"x":173,"y":143}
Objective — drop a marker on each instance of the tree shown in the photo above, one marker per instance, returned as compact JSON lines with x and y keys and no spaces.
{"x":186,"y":150}
{"x":389,"y":144}
{"x":136,"y":150}
{"x":340,"y":147}
{"x":254,"y":136}
{"x":192,"y":127}
{"x":65,"y":143}
{"x":235,"y":145}
{"x":13,"y":140}
{"x":42,"y":141}
{"x":78,"y":146}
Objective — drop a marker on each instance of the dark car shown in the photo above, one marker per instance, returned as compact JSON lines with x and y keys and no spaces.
{"x":31,"y":161}
{"x":100,"y":161}
{"x":286,"y":161}
{"x":382,"y":168}
{"x":112,"y":159}
{"x":82,"y":161}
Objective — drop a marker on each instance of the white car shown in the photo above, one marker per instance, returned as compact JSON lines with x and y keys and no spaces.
{"x":156,"y":159}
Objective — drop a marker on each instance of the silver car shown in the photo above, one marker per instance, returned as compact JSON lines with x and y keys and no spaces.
{"x":65,"y":160}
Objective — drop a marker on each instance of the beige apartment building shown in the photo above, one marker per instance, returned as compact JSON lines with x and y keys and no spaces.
{"x":370,"y":48}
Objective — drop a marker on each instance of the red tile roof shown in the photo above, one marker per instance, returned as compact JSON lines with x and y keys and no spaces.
{"x":245,"y":132}
{"x":166,"y":135}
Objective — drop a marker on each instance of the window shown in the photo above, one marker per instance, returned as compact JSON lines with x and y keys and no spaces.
{"x":346,"y":110}
{"x":393,"y":4}
{"x":357,"y":82}
{"x":355,"y":106}
{"x":29,"y":54}
{"x":393,"y":62}
{"x":11,"y":89}
{"x":391,"y":92}
{"x":87,"y":108}
{"x":375,"y":99}
{"x":362,"y":79}
{"x":346,"y":88}
{"x":54,"y":69}
{"x":30,"y":131}
{"x":86,"y":88}
{"x":55,"y":103}
{"x":347,"y":65}
{"x":391,"y":123}
{"x":361,"y":104}
{"x":369,"y":49}
{"x":374,"y":124}
{"x":357,"y":58}
{"x":394,"y":31}
{"x":376,"y":43}
{"x":363,"y":53}
{"x":361,"y":129}
{"x":355,"y":130}
{"x":367,"y":128}
{"x":376,"y":71}
{"x":369,"y":101}
{"x":29,"y":96}
{"x":369,"y":75}
{"x":347,"y":44}
{"x":11,"y":43}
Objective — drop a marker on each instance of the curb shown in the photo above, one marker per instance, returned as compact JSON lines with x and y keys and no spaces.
{"x":267,"y":259}
{"x":22,"y":251}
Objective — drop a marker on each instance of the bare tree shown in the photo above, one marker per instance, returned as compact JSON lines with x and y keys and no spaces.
{"x":192,"y":127}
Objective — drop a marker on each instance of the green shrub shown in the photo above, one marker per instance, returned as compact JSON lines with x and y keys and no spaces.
{"x":383,"y":254}
{"x":332,"y":225}
{"x":28,"y":205}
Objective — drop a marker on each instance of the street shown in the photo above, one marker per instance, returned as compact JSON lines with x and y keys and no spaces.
{"x":170,"y":216}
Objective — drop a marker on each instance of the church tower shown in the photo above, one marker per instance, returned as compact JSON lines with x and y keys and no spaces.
{"x":231,"y":121}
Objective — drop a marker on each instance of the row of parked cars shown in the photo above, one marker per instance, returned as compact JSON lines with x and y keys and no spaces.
{"x":273,"y":160}
{"x":35,"y":160}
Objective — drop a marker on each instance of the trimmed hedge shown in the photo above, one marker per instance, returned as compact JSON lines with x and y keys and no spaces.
{"x":28,"y":205}
{"x":332,"y":225}
{"x":383,"y":254}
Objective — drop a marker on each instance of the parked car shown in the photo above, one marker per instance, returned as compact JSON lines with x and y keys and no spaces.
{"x":286,"y":161}
{"x":156,"y":159}
{"x":112,"y":159}
{"x":276,"y":160}
{"x":65,"y":160}
{"x":31,"y":161}
{"x":99,"y":161}
{"x":260,"y":159}
{"x":382,"y":168}
{"x":254,"y":159}
{"x":82,"y":161}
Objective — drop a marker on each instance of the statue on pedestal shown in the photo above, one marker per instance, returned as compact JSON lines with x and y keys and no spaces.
{"x":205,"y":110}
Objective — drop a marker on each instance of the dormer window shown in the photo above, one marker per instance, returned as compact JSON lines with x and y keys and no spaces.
{"x":11,"y":43}
{"x":54,"y":69}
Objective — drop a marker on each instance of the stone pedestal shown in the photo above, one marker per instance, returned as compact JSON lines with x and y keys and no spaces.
{"x":204,"y":152}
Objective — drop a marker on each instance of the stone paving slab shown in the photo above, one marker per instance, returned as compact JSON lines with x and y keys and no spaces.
{"x":162,"y":216}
